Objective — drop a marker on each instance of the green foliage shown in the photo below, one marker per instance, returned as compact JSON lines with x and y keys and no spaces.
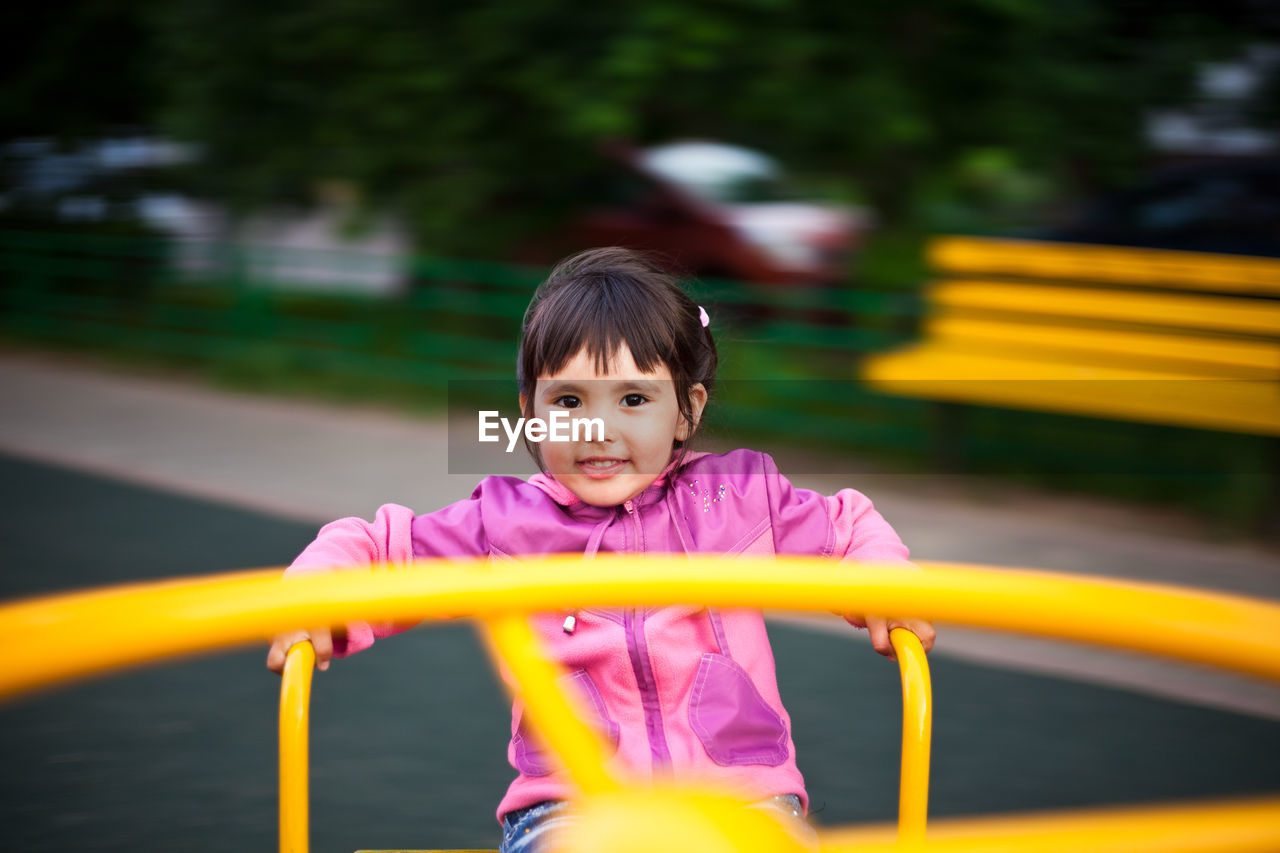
{"x":476,"y":118}
{"x":481,"y":121}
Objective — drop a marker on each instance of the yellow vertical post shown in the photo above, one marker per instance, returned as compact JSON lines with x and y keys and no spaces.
{"x":917,"y":732}
{"x":556,"y":716}
{"x":295,"y":702}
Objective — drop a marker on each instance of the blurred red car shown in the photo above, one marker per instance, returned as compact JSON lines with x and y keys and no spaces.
{"x":717,"y":211}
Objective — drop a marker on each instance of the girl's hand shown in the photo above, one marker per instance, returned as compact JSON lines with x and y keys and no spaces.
{"x":880,"y":626}
{"x":321,"y":639}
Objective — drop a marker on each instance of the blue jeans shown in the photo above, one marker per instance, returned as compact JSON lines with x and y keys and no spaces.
{"x":526,"y":830}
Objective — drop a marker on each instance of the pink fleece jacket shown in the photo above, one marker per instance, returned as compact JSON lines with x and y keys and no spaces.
{"x":678,"y":692}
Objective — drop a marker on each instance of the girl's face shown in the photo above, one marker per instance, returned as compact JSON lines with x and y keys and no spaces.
{"x":641,"y":421}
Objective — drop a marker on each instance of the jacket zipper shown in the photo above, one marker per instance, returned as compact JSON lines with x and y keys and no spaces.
{"x":638,"y":651}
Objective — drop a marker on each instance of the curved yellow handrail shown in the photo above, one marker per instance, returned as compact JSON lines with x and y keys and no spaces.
{"x":295,"y":709}
{"x":917,"y":732}
{"x":1241,"y":825}
{"x":554,"y":717}
{"x":42,"y":640}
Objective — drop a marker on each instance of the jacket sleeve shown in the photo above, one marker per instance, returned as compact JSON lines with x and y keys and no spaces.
{"x":861,"y":533}
{"x":844,"y":525}
{"x":393,"y":539}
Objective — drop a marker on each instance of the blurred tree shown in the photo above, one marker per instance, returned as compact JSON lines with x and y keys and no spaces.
{"x":481,"y":119}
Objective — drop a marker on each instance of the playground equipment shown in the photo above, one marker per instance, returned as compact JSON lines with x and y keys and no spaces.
{"x":43,"y":643}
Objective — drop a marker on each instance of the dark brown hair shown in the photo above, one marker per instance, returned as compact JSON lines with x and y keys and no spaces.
{"x":601,"y":298}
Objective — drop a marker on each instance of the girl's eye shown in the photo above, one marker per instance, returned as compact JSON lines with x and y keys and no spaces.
{"x":568,"y":401}
{"x":632,"y":400}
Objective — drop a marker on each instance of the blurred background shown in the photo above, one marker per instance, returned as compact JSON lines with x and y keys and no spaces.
{"x":1012,"y":264}
{"x":357,"y":199}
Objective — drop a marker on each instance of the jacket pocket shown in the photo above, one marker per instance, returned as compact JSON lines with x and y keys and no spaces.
{"x":731,"y":718}
{"x":530,"y":757}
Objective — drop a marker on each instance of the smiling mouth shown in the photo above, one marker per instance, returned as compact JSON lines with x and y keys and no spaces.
{"x":600,"y":467}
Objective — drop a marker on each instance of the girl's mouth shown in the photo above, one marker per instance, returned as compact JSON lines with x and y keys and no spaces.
{"x":599,"y":468}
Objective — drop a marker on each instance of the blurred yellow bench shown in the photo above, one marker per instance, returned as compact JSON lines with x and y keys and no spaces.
{"x":1148,"y":335}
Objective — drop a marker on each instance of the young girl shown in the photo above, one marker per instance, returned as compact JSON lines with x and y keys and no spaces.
{"x":679,"y":692}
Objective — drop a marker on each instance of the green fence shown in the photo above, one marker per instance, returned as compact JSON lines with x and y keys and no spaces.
{"x":235,"y":309}
{"x":788,"y":356}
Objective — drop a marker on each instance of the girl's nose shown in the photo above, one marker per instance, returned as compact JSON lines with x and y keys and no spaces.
{"x":595,"y":434}
{"x":607,"y":436}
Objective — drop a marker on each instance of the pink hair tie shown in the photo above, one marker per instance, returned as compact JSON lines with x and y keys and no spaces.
{"x":702,"y":315}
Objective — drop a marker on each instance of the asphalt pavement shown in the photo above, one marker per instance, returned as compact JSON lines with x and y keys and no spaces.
{"x":106,"y":476}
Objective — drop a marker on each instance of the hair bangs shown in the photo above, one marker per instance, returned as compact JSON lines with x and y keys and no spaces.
{"x":598,"y":313}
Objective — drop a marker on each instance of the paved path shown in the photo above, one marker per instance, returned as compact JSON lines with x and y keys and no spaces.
{"x":311,"y":462}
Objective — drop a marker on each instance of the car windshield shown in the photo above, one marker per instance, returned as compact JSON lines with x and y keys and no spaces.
{"x":721,"y":173}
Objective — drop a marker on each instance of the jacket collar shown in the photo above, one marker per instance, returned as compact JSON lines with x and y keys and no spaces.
{"x":567,"y":499}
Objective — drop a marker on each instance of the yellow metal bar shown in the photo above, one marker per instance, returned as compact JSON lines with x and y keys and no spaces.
{"x":1113,"y":264}
{"x":42,"y":640}
{"x":917,"y":733}
{"x":946,"y":361}
{"x":295,"y":705}
{"x":1245,"y":825}
{"x":938,"y":371}
{"x":1218,"y":313}
{"x":1227,"y":358}
{"x":555,"y":715}
{"x":667,"y":818}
